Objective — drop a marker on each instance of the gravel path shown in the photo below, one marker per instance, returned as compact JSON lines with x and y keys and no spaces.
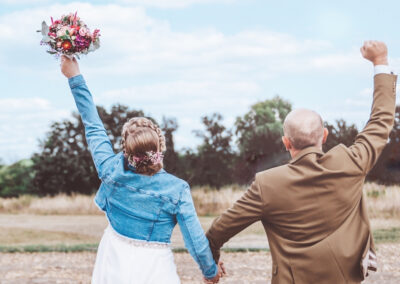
{"x":242,"y":267}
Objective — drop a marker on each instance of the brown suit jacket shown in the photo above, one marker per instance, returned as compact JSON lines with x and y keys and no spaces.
{"x":313,"y":209}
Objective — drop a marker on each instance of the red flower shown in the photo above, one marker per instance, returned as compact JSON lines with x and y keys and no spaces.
{"x":66,"y":45}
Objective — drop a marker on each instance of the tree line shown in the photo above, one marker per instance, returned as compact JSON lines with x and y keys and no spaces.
{"x":225,"y":156}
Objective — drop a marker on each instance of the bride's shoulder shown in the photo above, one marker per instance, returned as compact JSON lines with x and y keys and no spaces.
{"x":174,"y":179}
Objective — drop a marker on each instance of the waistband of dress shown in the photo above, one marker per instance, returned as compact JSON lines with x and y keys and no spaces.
{"x":136,"y":242}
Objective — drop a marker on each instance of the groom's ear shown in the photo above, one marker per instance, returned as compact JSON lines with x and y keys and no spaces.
{"x":286,"y":142}
{"x":326,"y":134}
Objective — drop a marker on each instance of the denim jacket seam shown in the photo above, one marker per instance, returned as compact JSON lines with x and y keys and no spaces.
{"x":202,"y":266}
{"x":113,"y":167}
{"x":74,"y":85}
{"x":162,"y":197}
{"x":104,"y":176}
{"x":193,"y":246}
{"x":154,"y":223}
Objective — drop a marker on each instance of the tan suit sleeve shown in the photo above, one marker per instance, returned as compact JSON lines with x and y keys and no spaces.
{"x":244,"y":212}
{"x":370,"y":142}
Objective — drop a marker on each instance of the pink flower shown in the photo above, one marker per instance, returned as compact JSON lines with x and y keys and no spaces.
{"x":83,"y":31}
{"x":95,"y":34}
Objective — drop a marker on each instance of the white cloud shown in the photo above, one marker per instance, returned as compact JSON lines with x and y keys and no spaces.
{"x":22,"y":122}
{"x":19,"y":2}
{"x":362,"y":100}
{"x":338,"y":61}
{"x":188,"y":101}
{"x":146,"y":3}
{"x":11,"y":105}
{"x":143,"y":62}
{"x":134,"y":43}
{"x":173,"y":3}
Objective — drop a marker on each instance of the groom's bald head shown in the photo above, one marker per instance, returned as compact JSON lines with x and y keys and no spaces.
{"x":304,"y":128}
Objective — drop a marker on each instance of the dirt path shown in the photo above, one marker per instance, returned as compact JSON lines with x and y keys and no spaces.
{"x":242,"y":267}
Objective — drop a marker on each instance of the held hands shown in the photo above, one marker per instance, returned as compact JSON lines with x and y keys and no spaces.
{"x":69,"y":67}
{"x":221,"y":273}
{"x":375,"y":51}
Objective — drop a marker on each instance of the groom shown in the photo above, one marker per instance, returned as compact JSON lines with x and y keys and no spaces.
{"x":312,"y":208}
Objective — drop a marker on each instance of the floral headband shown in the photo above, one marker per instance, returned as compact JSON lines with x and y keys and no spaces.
{"x":150,"y":157}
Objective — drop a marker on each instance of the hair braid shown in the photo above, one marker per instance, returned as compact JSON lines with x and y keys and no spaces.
{"x":132,"y":130}
{"x":136,"y":122}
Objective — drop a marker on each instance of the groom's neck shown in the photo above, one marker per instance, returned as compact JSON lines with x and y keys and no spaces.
{"x":294,"y":152}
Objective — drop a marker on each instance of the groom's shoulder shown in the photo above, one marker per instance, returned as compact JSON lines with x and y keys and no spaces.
{"x":272,"y":173}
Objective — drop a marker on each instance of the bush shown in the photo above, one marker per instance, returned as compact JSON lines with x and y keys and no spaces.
{"x":16,"y":179}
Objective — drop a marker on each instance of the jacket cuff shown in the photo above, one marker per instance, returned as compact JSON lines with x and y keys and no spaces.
{"x":383,"y":69}
{"x":76,"y":81}
{"x":213,"y":274}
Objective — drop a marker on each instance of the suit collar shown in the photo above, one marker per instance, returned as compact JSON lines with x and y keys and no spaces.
{"x":305,"y":152}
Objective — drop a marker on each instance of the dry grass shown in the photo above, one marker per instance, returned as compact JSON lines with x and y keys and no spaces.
{"x":20,"y":236}
{"x":383,"y":202}
{"x":211,"y":202}
{"x":61,"y":204}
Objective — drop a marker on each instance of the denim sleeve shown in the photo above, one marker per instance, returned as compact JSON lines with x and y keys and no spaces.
{"x":96,"y":135}
{"x":193,"y":235}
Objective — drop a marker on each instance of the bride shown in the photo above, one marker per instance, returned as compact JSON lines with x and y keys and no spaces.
{"x":142,"y":202}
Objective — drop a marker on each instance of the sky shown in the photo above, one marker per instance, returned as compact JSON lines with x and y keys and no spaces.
{"x":190,"y":58}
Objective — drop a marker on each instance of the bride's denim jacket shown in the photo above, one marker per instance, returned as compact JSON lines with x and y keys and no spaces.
{"x":139,"y":206}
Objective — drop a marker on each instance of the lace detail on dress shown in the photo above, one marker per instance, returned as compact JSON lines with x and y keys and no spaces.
{"x":137,"y":243}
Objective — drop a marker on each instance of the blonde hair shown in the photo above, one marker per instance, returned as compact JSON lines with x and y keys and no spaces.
{"x":140,"y":136}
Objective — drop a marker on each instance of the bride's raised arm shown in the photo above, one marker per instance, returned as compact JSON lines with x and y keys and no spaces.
{"x":96,"y":136}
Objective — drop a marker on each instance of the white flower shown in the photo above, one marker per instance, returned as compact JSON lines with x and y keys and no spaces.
{"x":61,"y":32}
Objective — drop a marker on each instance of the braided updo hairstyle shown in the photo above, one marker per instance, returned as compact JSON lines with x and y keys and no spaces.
{"x":140,"y":136}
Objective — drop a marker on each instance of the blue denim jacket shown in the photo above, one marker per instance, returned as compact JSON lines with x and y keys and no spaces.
{"x":139,"y":206}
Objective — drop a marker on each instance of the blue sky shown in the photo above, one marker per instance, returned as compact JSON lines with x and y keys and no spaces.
{"x":188,"y":58}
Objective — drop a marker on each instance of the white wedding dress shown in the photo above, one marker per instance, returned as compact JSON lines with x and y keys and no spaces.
{"x":122,"y":260}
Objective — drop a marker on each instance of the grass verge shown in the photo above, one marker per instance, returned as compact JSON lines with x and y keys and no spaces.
{"x":93,"y":248}
{"x":390,"y":235}
{"x":51,"y":248}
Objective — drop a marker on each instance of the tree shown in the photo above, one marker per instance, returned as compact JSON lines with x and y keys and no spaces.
{"x":16,"y":179}
{"x":341,"y":133}
{"x":171,"y":158}
{"x":387,"y":168}
{"x":214,"y":162}
{"x":64,"y":163}
{"x":259,"y":134}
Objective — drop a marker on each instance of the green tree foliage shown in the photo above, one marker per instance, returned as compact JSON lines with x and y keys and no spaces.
{"x":16,"y":179}
{"x":64,"y":163}
{"x":341,"y":133}
{"x":214,"y":161}
{"x":259,"y":137}
{"x":387,"y":168}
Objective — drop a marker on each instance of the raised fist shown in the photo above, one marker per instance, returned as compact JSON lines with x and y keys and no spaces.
{"x":375,"y":51}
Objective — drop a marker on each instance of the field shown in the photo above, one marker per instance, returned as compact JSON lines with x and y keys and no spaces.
{"x":53,"y":240}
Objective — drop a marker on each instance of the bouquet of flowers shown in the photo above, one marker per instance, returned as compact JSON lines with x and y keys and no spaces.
{"x":69,"y":36}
